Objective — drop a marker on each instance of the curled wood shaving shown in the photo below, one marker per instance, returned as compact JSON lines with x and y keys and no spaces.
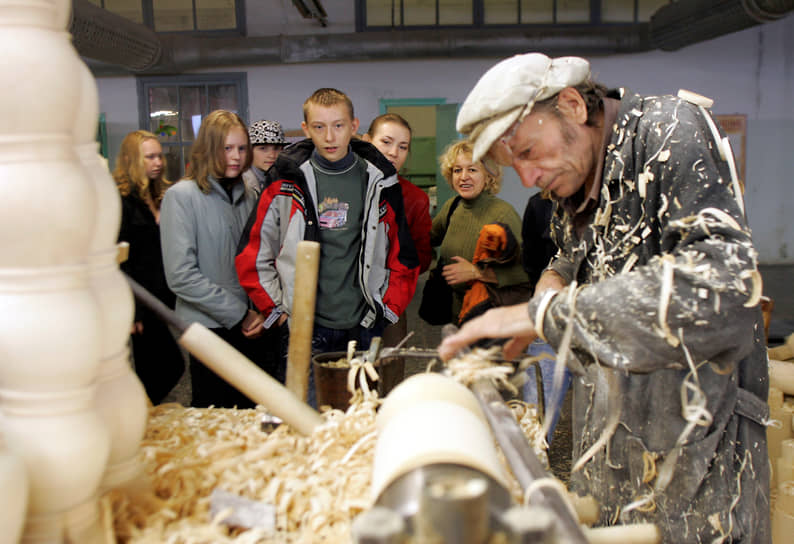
{"x":479,"y":364}
{"x":528,"y":420}
{"x":664,"y":300}
{"x":758,"y":287}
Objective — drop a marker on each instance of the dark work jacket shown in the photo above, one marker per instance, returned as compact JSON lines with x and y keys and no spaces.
{"x":145,"y":262}
{"x":537,"y":247}
{"x":665,"y":269}
{"x":158,"y":360}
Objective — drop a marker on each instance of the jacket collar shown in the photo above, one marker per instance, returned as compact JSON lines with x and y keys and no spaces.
{"x":301,"y":151}
{"x":238,"y":189}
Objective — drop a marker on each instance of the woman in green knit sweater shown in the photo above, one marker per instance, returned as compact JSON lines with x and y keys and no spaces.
{"x":477,"y":206}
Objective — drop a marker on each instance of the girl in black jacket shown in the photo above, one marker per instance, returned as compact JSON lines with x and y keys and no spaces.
{"x":139,"y":175}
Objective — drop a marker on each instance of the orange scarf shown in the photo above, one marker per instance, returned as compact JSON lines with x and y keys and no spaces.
{"x":496,"y":244}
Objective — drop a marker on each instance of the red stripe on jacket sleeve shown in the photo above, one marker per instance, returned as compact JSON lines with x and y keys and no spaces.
{"x":245,"y":261}
{"x":402,"y":278}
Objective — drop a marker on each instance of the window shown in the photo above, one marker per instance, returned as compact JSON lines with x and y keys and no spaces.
{"x":129,"y":9}
{"x":432,"y":122}
{"x":173,"y":107}
{"x":180,"y":15}
{"x":379,"y":14}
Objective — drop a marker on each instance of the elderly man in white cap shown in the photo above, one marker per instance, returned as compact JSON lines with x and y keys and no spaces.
{"x":652,"y":299}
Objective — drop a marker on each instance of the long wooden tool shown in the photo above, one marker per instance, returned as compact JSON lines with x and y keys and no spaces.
{"x":235,"y":368}
{"x":301,"y":326}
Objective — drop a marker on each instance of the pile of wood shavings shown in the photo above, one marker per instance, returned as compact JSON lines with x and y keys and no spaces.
{"x":527,"y":416}
{"x":318,"y":484}
{"x":478,"y":364}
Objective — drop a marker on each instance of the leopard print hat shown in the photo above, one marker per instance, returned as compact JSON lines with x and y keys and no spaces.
{"x":266,"y":132}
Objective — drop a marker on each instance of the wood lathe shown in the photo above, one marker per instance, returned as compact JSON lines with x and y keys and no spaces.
{"x":435,"y":475}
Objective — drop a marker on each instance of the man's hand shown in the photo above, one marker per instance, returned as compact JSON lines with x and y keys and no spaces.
{"x":506,"y":322}
{"x":252,"y":324}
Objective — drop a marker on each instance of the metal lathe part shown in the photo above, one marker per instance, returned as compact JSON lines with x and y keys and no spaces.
{"x":454,"y":508}
{"x":529,"y":525}
{"x":522,"y":460}
{"x":405,"y":494}
{"x":269,"y":423}
{"x":378,"y":525}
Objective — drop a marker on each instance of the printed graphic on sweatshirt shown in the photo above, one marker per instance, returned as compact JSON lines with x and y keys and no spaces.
{"x":332,"y":213}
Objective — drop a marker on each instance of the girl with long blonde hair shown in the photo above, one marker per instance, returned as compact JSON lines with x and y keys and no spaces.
{"x":139,"y":176}
{"x":203,"y":217}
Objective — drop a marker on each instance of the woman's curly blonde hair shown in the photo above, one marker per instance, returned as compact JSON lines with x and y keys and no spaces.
{"x":492,"y":171}
{"x":130,"y":172}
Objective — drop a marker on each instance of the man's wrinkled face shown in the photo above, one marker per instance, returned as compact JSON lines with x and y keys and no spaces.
{"x":548,"y":151}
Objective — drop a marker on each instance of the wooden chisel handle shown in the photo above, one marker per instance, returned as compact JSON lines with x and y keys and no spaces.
{"x":252,"y":381}
{"x":304,"y":296}
{"x":234,"y":367}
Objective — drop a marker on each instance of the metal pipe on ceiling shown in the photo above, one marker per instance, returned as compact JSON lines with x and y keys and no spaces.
{"x":197,"y":52}
{"x":679,"y":24}
{"x":117,"y":46}
{"x":109,"y":38}
{"x":183,"y":53}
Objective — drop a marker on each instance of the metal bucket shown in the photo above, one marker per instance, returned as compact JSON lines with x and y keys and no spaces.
{"x":331,"y":382}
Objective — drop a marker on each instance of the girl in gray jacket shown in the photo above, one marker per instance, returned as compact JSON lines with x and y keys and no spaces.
{"x":202,"y":218}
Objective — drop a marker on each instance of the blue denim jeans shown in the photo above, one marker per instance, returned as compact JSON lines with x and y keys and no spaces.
{"x":553,"y":400}
{"x":325,"y":340}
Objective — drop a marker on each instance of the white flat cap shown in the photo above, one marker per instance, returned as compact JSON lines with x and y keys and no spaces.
{"x":505,"y":94}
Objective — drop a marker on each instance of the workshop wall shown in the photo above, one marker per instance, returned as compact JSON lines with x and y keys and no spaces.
{"x":749,"y":72}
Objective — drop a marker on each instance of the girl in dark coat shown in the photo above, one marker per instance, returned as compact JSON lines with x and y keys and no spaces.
{"x":139,"y":175}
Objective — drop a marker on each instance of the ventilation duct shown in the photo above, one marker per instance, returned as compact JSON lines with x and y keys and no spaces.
{"x":116,"y":46}
{"x":685,"y":22}
{"x":185,"y":53}
{"x":104,"y":36}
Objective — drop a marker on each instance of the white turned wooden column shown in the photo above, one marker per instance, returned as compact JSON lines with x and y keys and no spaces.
{"x":120,"y":399}
{"x":51,"y":325}
{"x":13,"y":493}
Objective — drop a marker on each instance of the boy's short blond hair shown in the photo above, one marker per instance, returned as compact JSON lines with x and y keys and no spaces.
{"x":327,"y":97}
